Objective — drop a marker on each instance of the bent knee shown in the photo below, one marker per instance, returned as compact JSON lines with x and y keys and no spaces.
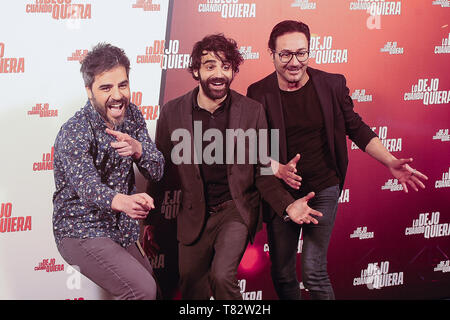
{"x":145,"y":290}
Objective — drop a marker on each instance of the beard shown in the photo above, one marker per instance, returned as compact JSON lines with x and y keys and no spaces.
{"x":212,"y":93}
{"x":103,"y":110}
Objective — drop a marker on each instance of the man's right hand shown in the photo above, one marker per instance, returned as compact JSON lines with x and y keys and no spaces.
{"x":287,"y":172}
{"x":299,"y":211}
{"x":135,"y":206}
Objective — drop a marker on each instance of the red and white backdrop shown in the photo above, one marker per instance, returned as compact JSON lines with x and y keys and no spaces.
{"x":395,"y":55}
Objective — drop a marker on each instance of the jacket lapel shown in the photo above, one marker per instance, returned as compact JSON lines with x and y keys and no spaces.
{"x":275,"y":112}
{"x":234,"y":122}
{"x":235,"y":111}
{"x":187,"y":123}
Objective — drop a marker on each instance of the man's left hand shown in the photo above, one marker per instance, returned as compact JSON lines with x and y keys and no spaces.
{"x":401,"y":170}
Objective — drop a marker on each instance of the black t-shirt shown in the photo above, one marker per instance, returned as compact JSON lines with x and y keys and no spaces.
{"x":214,"y":175}
{"x":306,"y":135}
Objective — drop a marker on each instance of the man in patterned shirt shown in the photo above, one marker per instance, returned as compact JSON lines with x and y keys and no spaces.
{"x":96,"y":210}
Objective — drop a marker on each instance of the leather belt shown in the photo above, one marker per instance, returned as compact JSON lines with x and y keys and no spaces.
{"x":219,"y":207}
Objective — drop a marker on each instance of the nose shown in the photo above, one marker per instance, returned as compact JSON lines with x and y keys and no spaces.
{"x":294,"y":61}
{"x":219,"y":73}
{"x":116,"y":94}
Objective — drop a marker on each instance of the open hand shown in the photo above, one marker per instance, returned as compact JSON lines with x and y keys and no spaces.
{"x":299,"y":211}
{"x":401,"y":170}
{"x":288,"y":172}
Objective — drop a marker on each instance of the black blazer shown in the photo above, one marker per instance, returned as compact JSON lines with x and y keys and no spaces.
{"x":337,"y":106}
{"x":245,"y":182}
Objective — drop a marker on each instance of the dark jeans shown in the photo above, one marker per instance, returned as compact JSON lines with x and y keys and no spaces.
{"x":283,"y":240}
{"x":209,"y":266}
{"x":123,"y":272}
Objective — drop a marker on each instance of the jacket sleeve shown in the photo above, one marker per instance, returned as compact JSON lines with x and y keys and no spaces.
{"x":162,"y":135}
{"x":269,"y":186}
{"x":356,"y":129}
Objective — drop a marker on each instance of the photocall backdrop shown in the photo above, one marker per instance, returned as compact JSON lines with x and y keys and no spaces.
{"x":395,"y":55}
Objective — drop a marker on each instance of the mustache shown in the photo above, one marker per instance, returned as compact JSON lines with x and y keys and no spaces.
{"x":111,"y":101}
{"x":293,"y":68}
{"x":218,"y":80}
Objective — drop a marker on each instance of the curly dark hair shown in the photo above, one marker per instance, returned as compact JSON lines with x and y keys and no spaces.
{"x":216,"y":43}
{"x":101,"y":58}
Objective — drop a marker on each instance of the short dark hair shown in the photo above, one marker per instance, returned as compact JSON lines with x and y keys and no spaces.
{"x":101,"y":58}
{"x":215,"y":43}
{"x":288,"y":26}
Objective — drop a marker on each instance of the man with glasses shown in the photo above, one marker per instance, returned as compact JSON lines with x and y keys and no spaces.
{"x":314,"y":113}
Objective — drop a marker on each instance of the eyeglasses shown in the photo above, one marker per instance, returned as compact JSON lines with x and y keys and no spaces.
{"x":286,"y":56}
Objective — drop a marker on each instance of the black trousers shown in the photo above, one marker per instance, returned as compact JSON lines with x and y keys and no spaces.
{"x":209,"y":266}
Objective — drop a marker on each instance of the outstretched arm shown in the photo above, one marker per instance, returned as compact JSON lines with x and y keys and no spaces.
{"x":399,"y":168}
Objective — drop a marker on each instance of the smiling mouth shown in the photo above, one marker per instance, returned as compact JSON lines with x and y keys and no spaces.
{"x":218,"y":85}
{"x":217,"y":82}
{"x":117,"y":106}
{"x":293,"y":69}
{"x":116,"y":109}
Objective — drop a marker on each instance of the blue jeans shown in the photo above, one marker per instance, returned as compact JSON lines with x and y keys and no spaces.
{"x":283,"y":243}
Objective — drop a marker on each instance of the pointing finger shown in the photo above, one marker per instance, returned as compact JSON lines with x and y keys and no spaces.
{"x":117,"y":134}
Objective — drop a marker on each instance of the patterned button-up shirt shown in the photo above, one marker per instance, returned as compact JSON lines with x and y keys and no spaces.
{"x":89,"y":172}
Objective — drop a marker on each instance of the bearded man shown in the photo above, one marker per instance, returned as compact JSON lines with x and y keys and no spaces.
{"x":96,"y":207}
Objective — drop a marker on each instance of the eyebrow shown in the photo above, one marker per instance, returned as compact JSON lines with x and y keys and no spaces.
{"x":210,"y":61}
{"x":105,"y":86}
{"x":218,"y":59}
{"x":108,"y":85}
{"x":224,"y":63}
{"x":298,"y":50}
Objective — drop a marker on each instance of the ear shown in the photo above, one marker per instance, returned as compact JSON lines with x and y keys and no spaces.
{"x":271,"y":53}
{"x":89,"y":92}
{"x":195,"y":73}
